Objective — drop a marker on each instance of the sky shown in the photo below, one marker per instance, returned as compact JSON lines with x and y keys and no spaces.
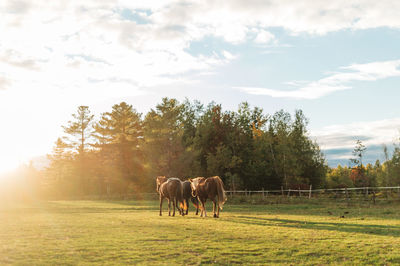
{"x":338,"y":61}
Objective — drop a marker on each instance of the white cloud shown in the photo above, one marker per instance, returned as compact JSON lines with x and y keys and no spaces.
{"x":4,"y":83}
{"x":38,"y":35}
{"x":91,"y":41}
{"x":223,"y":18}
{"x":264,"y":37}
{"x":54,"y":54}
{"x":313,"y":90}
{"x":335,"y":82}
{"x":371,"y":133}
{"x":228,"y":55}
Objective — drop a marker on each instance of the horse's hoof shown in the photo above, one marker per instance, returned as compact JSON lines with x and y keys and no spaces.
{"x":215,"y":216}
{"x":160,"y":214}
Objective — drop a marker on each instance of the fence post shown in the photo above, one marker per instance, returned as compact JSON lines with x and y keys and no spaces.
{"x":245,"y":192}
{"x":282,"y":190}
{"x":347,"y":196}
{"x":263,"y":192}
{"x":373,"y":196}
{"x":309,"y":194}
{"x":288,"y":194}
{"x":299,"y":192}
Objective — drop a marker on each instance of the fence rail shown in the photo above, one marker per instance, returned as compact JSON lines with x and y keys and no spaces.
{"x":347,"y":194}
{"x":361,"y":194}
{"x":313,"y":190}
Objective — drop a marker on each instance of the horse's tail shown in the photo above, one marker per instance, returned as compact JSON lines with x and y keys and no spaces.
{"x":221,"y":192}
{"x":180,"y":198}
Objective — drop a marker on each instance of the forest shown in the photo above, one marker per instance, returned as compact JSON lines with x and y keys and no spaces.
{"x":122,"y":152}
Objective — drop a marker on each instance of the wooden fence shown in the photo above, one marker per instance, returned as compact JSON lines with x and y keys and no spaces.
{"x":371,"y":193}
{"x":348,"y":194}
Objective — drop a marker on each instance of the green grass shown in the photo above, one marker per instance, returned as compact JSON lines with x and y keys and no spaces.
{"x":121,"y":232}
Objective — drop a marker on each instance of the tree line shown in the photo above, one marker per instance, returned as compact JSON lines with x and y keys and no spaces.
{"x":123,"y":151}
{"x":379,"y":174}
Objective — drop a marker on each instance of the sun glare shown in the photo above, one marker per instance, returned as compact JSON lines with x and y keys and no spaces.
{"x":8,"y":164}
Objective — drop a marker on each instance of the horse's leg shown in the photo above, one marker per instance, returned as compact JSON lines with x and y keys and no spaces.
{"x":161,"y":200}
{"x":204,"y":208}
{"x":197,"y":207}
{"x":169,"y":207}
{"x":177,"y":206}
{"x":214,"y":205}
{"x":217,"y":207}
{"x":187,"y":206}
{"x":173,"y":203}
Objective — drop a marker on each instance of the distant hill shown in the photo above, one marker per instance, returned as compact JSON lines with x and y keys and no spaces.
{"x":342,"y":155}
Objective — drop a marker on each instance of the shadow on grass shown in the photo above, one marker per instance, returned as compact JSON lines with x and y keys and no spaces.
{"x":387,"y":212}
{"x":102,"y":206}
{"x":101,"y":210}
{"x":94,"y":206}
{"x":382,"y":230}
{"x":153,"y":205}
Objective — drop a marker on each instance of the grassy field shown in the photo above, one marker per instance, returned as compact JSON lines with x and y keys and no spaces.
{"x":120,"y":232}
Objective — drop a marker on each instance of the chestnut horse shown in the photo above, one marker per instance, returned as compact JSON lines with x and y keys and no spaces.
{"x":187,"y":194}
{"x":209,"y":188}
{"x":172,"y":190}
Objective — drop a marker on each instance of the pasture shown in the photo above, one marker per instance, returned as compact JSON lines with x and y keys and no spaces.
{"x":121,"y":232}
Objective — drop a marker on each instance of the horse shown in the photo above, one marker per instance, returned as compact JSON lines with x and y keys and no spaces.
{"x":209,"y":188}
{"x":187,"y":194}
{"x":159,"y":181}
{"x":172,"y":190}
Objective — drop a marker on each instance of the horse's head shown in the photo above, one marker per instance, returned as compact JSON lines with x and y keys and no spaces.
{"x":193,"y":187}
{"x":194,"y":183}
{"x":159,"y":181}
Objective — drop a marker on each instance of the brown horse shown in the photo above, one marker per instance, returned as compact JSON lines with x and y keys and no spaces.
{"x":187,"y":194}
{"x":172,"y":190}
{"x":209,"y":188}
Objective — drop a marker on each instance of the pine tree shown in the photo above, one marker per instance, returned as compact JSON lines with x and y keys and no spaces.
{"x":358,"y":172}
{"x":79,"y":130}
{"x":166,"y":139}
{"x":119,"y":136}
{"x":79,"y":133}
